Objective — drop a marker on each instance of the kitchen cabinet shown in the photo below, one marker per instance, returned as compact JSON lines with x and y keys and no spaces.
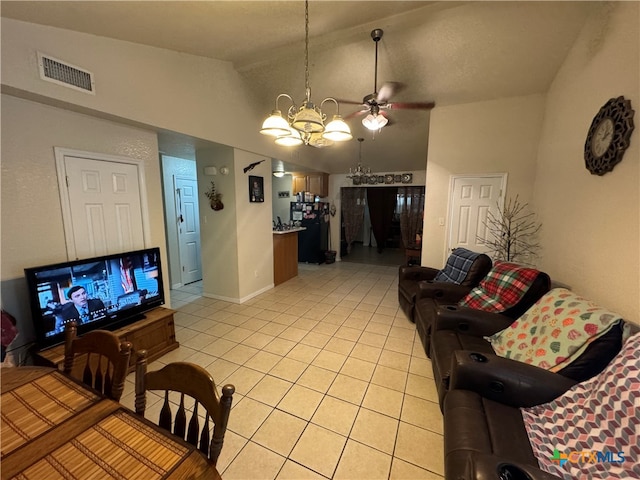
{"x":285,"y":255}
{"x":316,"y":183}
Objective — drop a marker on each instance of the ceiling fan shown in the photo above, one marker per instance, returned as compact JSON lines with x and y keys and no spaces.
{"x":375,"y":104}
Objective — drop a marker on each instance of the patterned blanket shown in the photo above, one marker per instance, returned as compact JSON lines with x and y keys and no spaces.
{"x":593,"y":430}
{"x":457,"y":267}
{"x":501,"y":289}
{"x":556,"y":330}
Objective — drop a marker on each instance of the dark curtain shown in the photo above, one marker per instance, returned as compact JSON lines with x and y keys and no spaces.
{"x":411,"y":206}
{"x":382,"y":205}
{"x":353,"y":202}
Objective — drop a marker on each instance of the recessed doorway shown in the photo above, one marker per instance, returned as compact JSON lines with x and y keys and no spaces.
{"x":372,"y":224}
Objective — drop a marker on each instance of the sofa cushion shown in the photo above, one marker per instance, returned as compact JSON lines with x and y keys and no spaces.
{"x":557,"y":329}
{"x":457,"y":267}
{"x":598,"y":415}
{"x":503,"y":287}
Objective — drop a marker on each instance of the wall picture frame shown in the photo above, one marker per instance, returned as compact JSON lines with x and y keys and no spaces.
{"x":256,"y":189}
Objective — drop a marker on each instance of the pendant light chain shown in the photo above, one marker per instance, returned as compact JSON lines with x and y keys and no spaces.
{"x":307,"y":123}
{"x":306,"y":51}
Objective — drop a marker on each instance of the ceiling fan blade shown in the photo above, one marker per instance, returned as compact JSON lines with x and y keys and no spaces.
{"x":410,"y":106}
{"x":356,"y":114}
{"x":348,"y":102}
{"x":387,"y":90}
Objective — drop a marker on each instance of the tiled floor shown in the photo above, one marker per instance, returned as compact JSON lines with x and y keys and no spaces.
{"x":370,"y":255}
{"x":331,"y":379}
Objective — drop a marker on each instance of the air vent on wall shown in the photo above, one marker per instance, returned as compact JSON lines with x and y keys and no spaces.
{"x":57,"y":71}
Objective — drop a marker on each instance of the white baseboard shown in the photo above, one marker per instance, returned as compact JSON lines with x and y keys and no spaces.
{"x":238,"y":300}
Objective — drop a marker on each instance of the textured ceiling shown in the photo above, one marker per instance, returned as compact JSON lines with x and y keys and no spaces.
{"x":446,"y":52}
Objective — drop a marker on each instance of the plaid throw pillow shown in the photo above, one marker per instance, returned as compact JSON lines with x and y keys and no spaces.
{"x":501,"y":289}
{"x":457,"y":267}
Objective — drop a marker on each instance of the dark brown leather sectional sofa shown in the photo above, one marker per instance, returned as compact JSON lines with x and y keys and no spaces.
{"x":484,"y":433}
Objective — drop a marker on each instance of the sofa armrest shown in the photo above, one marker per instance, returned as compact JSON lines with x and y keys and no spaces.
{"x":486,"y":466}
{"x":443,"y":292}
{"x":469,"y":321}
{"x":504,"y":380}
{"x":416,"y":273}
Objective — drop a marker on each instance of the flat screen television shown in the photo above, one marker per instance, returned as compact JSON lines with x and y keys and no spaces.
{"x":105,"y":292}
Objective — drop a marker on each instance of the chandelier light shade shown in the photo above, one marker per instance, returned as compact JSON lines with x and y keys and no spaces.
{"x":337,"y":130}
{"x":275,"y":125}
{"x":291,"y":138}
{"x":306,"y":124}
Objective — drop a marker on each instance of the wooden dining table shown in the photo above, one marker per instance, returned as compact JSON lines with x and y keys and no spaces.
{"x":56,"y":427}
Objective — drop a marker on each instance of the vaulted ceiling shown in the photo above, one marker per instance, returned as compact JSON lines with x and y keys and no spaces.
{"x":446,"y":52}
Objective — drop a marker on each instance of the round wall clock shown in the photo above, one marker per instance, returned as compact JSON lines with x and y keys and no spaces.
{"x":608,"y":136}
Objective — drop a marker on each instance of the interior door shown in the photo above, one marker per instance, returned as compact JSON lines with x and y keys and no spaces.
{"x":471,"y":198}
{"x":102,"y":206}
{"x":186,"y":196}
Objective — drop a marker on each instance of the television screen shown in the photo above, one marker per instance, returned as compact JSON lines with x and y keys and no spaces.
{"x":102,"y":292}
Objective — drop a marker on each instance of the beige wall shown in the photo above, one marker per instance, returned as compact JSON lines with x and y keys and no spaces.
{"x":32,"y":228}
{"x":165,"y":89}
{"x":162,"y":89}
{"x":237,"y":244}
{"x":218,"y":228}
{"x":590,"y":235}
{"x":254,"y":235}
{"x":487,"y":137}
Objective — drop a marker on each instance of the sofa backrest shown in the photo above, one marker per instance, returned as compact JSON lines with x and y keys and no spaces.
{"x":508,"y":289}
{"x":564,"y":333}
{"x":465,"y":268}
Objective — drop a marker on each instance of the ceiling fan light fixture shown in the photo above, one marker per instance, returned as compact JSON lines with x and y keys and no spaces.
{"x":291,"y":139}
{"x":337,"y":130}
{"x":275,"y":125}
{"x":374,"y":122}
{"x":278,"y":173}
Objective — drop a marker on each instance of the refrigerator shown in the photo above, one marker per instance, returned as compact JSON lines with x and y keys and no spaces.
{"x":314,"y":241}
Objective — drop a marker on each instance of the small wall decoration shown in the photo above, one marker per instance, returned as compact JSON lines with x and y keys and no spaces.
{"x":284,"y":194}
{"x":251,"y":166}
{"x":256,"y":189}
{"x":608,"y":136}
{"x":215,"y":198}
{"x":376,"y":179}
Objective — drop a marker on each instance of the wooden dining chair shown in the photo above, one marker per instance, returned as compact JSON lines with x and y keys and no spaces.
{"x":105,"y":357}
{"x":193,"y":381}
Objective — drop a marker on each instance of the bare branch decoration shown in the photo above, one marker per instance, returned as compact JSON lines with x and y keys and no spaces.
{"x":513,"y":233}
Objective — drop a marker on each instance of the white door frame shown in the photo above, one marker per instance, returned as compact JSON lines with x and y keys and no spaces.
{"x":60,"y":154}
{"x":452,"y":179}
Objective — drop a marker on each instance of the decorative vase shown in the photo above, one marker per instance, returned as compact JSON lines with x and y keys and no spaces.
{"x":216,"y":205}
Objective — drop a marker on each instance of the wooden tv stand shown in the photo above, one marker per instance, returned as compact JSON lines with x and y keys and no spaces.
{"x":155,"y":333}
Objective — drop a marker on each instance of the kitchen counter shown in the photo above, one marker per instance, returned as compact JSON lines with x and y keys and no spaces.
{"x":285,"y":254}
{"x":291,"y":230}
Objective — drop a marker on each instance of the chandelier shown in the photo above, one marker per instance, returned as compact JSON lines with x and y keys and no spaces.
{"x":360,"y":173}
{"x":306,"y":124}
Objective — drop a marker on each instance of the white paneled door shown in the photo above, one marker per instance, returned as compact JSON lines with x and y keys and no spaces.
{"x":186,"y":195}
{"x":471,"y":199}
{"x":102,"y":206}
